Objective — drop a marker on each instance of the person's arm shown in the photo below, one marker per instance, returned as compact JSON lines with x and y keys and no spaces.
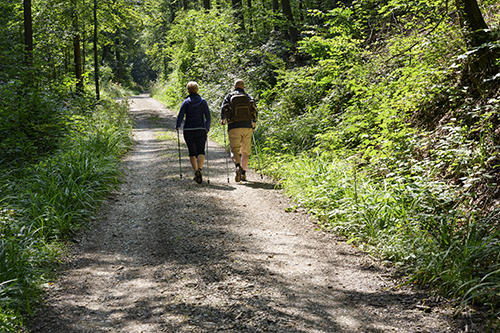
{"x":208,"y":119}
{"x":180,"y":116}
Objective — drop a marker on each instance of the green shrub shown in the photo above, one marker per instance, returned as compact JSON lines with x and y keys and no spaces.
{"x":43,"y":203}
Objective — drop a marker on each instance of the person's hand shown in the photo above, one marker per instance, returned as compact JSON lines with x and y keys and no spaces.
{"x":223,"y":121}
{"x":177,"y":129}
{"x":253,"y":125}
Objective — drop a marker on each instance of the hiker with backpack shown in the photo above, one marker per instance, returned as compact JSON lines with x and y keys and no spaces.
{"x":196,"y":127}
{"x":240,"y":113}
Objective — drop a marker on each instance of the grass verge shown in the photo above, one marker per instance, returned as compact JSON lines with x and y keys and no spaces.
{"x":42,"y":204}
{"x":414,"y":222}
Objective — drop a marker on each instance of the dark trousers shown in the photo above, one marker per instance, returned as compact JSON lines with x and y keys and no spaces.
{"x":195,"y":141}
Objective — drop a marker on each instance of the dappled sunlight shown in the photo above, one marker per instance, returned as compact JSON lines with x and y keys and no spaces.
{"x":172,"y":255}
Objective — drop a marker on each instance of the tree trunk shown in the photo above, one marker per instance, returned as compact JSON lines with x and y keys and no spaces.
{"x":83,"y":39}
{"x":28,"y":36}
{"x":472,"y":20}
{"x":206,"y":5}
{"x":250,"y":20}
{"x":118,"y":60}
{"x":185,"y":4}
{"x":481,"y":64}
{"x":276,"y":8}
{"x":76,"y":48}
{"x":301,"y":10}
{"x":238,"y":14}
{"x":287,"y":11}
{"x":105,"y":51}
{"x":78,"y":62}
{"x":96,"y":62}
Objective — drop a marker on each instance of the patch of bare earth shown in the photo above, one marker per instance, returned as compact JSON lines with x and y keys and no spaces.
{"x":170,"y":255}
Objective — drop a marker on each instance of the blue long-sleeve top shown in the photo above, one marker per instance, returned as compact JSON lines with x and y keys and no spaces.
{"x":195,"y":108}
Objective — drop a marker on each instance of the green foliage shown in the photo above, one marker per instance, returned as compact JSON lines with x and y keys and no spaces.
{"x":58,"y":148}
{"x":410,"y":221}
{"x":10,"y":49}
{"x":366,"y":123}
{"x":201,"y":46}
{"x":24,"y":259}
{"x":65,"y":189}
{"x":33,"y":122}
{"x":44,"y":202}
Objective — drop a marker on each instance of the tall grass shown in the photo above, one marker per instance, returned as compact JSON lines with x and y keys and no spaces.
{"x":412,"y":221}
{"x":43,"y":203}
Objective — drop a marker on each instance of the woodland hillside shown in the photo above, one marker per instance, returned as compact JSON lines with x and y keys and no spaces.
{"x":379,"y":117}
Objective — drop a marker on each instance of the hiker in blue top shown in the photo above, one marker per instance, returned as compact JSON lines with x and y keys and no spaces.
{"x":196,"y":127}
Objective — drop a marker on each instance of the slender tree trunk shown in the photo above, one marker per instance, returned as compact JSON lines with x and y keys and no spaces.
{"x":118,"y":58}
{"x":165,"y":66}
{"x":250,"y":20}
{"x":206,"y":5}
{"x":96,"y":62}
{"x":28,"y":39}
{"x":301,"y":11}
{"x":238,"y":14}
{"x":83,"y":39}
{"x":185,"y":4}
{"x":83,"y":53}
{"x":76,"y":48}
{"x":28,"y":31}
{"x":276,"y":8}
{"x":287,"y":11}
{"x":78,"y":62}
{"x":105,"y":51}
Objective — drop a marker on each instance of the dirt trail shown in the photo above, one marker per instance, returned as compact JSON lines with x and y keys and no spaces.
{"x":169,"y":255}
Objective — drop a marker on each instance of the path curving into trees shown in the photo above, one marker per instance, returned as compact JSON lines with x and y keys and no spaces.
{"x":169,"y":255}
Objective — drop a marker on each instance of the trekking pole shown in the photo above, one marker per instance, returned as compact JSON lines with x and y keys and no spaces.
{"x":225,"y":151}
{"x":179,"y":149}
{"x":208,"y":167}
{"x":258,"y":158}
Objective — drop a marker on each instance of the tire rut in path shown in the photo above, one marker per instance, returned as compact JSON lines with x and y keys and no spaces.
{"x":170,"y":255}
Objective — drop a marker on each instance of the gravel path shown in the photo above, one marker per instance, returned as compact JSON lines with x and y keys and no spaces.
{"x":170,"y":255}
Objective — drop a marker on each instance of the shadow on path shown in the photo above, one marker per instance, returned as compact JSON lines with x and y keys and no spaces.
{"x":170,"y":255}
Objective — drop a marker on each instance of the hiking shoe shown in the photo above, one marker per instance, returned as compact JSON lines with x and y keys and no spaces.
{"x":238,"y":174}
{"x":243,"y":177}
{"x":198,"y":176}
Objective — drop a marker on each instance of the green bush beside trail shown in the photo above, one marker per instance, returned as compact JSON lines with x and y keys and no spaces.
{"x":42,"y":203}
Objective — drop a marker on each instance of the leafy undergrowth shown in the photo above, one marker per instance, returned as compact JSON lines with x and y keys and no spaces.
{"x":412,"y":221}
{"x":43,"y":203}
{"x":370,"y":123}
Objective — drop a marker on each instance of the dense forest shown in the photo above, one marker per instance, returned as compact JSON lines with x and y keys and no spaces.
{"x":379,"y":117}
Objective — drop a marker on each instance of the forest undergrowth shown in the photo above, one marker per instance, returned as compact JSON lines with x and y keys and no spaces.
{"x":50,"y":191}
{"x":373,"y":128}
